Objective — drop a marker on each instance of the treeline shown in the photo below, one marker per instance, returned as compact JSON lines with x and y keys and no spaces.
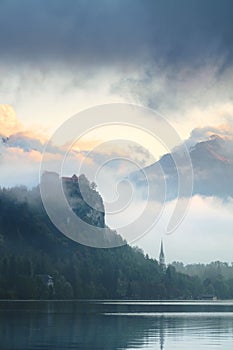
{"x":216,"y":278}
{"x":31,"y":247}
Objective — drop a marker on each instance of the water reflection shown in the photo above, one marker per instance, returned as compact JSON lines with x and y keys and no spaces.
{"x":73,"y":325}
{"x":161,"y":332}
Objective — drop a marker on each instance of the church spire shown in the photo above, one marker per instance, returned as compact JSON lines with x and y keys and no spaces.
{"x":162,"y":256}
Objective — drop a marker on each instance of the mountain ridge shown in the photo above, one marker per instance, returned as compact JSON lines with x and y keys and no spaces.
{"x":212,"y":160}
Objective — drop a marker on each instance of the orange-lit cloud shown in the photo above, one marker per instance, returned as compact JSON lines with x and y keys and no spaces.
{"x":9,"y":123}
{"x":224,"y":131}
{"x":17,"y":156}
{"x":32,"y":134}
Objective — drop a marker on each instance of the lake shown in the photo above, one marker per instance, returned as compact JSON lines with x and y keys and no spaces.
{"x":119,"y":325}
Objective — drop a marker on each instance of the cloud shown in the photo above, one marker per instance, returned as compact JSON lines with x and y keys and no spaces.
{"x":21,"y":150}
{"x":19,"y":167}
{"x":121,"y":149}
{"x":119,"y":32}
{"x":218,"y":141}
{"x":25,"y":148}
{"x":224,"y":131}
{"x":8,"y":121}
{"x":15,"y":136}
{"x":204,"y":235}
{"x":210,"y":151}
{"x":59,"y":58}
{"x":211,"y":154}
{"x":191,"y":95}
{"x":24,"y":142}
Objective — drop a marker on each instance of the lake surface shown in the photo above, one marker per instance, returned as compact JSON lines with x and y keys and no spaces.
{"x":118,"y":325}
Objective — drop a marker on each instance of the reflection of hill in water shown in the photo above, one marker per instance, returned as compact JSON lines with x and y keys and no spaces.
{"x":73,"y":325}
{"x":79,"y":331}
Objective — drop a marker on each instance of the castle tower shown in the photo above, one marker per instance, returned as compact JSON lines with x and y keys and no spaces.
{"x":162,"y":256}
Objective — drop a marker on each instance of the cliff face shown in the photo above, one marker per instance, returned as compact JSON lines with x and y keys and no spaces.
{"x":31,"y":247}
{"x":84,"y":200}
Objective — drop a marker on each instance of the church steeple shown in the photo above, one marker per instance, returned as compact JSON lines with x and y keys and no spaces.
{"x":162,"y":256}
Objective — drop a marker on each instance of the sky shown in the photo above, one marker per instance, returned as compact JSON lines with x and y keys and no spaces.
{"x":173,"y":58}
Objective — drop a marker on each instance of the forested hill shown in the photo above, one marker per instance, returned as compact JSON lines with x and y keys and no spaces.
{"x":31,"y":248}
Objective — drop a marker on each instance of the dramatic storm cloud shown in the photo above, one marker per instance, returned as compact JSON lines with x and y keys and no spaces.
{"x":103,"y":32}
{"x":60,"y":57}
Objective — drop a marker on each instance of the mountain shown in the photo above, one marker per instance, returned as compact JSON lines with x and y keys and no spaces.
{"x":212,"y":163}
{"x":33,"y":251}
{"x":38,"y":262}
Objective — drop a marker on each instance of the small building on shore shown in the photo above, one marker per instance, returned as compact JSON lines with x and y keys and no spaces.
{"x":47,"y":280}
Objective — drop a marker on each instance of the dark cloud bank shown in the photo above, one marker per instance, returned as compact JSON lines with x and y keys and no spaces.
{"x":117,"y":31}
{"x":130,"y":33}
